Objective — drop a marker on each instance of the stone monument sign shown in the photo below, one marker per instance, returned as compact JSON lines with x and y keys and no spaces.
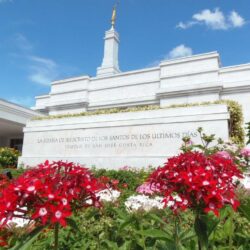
{"x":137,"y":139}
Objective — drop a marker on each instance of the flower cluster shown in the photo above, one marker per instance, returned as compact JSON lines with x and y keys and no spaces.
{"x":224,"y":154}
{"x":48,"y":193}
{"x":109,"y":183}
{"x":245,"y":152}
{"x":201,"y":182}
{"x":143,"y":203}
{"x":229,"y":147}
{"x":108,"y":195}
{"x":147,"y":188}
{"x":246,"y":181}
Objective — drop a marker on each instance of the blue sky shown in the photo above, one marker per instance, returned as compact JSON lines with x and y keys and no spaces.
{"x":45,"y":40}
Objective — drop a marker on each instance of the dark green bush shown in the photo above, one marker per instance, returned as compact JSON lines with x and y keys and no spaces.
{"x":133,"y":178}
{"x":236,"y":129}
{"x":8,"y":157}
{"x":248,"y":132}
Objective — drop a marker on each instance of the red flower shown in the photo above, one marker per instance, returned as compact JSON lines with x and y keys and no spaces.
{"x":59,"y":214}
{"x":42,"y":212}
{"x":50,"y":192}
{"x":204,"y":182}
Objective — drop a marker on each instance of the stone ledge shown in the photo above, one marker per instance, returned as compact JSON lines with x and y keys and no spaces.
{"x":196,"y":89}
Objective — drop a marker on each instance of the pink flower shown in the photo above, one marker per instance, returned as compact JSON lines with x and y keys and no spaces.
{"x":147,"y":188}
{"x":245,"y":152}
{"x":125,"y":168}
{"x":224,"y":154}
{"x":190,"y":142}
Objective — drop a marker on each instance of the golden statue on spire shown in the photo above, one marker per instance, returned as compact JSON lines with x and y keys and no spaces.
{"x":113,"y":19}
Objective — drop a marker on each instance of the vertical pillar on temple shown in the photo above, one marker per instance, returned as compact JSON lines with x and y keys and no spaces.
{"x":110,"y":64}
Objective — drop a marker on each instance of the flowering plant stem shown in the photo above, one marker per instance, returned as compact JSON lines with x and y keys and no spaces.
{"x":176,"y":232}
{"x":56,"y":234}
{"x":200,"y":227}
{"x":231,"y":217}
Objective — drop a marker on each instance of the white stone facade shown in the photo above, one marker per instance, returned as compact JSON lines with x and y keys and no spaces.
{"x":110,"y":64}
{"x":137,"y":139}
{"x":191,"y":79}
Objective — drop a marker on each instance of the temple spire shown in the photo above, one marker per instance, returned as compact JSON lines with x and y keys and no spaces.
{"x":110,"y":63}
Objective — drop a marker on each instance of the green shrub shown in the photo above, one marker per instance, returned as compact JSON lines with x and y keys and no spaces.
{"x":8,"y":157}
{"x":236,"y":129}
{"x":113,"y":228}
{"x":248,"y":132}
{"x":133,"y":178}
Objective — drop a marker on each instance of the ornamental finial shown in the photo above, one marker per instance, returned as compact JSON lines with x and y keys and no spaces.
{"x":113,"y":19}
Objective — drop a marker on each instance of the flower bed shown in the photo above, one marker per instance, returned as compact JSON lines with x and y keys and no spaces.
{"x":195,"y":201}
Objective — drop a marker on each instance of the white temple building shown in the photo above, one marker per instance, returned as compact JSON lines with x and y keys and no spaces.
{"x":13,"y":119}
{"x":192,"y":79}
{"x":141,"y":138}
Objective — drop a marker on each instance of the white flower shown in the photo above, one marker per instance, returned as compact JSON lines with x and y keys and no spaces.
{"x":108,"y":195}
{"x":19,"y":222}
{"x":228,"y":146}
{"x":246,"y":181}
{"x":143,"y":203}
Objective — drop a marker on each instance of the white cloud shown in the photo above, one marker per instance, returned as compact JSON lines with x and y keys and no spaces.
{"x":186,"y":25}
{"x":43,"y":61}
{"x":22,"y":42}
{"x":236,"y":20}
{"x":214,"y":19}
{"x":42,"y":70}
{"x":179,"y":51}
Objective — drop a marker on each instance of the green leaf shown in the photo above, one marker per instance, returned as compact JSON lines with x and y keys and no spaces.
{"x":73,"y":224}
{"x":111,"y":245}
{"x":121,"y":214}
{"x":187,"y":235}
{"x":158,"y":234}
{"x":201,"y":231}
{"x":91,"y":213}
{"x":245,"y":209}
{"x":126,"y":245}
{"x":240,"y":248}
{"x":212,"y":222}
{"x":228,"y":227}
{"x":126,"y":223}
{"x":157,"y":218}
{"x":27,"y":242}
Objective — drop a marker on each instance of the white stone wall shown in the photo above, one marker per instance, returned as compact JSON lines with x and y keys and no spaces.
{"x":137,"y":139}
{"x":192,"y":79}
